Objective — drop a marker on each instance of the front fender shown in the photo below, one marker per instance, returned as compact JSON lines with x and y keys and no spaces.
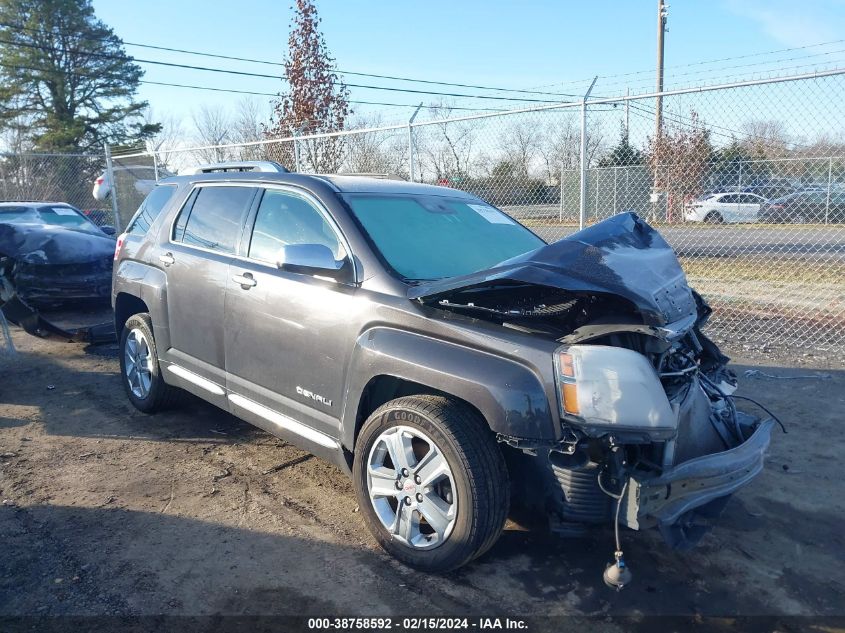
{"x":508,"y":394}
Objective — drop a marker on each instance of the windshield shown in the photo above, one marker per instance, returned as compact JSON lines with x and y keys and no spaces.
{"x":60,"y":215}
{"x":432,"y":237}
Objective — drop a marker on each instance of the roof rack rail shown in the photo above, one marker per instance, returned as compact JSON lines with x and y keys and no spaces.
{"x":266,"y":166}
{"x":383,"y":176}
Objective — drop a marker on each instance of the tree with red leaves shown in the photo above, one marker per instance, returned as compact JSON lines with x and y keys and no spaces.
{"x":316,"y":100}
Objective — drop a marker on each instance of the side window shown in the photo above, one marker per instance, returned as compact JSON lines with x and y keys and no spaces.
{"x":729,"y":199}
{"x":212,"y":218}
{"x":150,"y":209}
{"x":284,"y":218}
{"x":748,"y":198}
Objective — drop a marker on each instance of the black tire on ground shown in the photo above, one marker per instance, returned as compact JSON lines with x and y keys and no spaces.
{"x":161,"y":396}
{"x":714,"y":217}
{"x":477,"y":465}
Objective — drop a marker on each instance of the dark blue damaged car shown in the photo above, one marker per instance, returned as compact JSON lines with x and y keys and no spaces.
{"x":55,"y":264}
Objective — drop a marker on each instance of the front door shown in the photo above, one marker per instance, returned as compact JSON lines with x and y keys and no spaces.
{"x":288,"y":335}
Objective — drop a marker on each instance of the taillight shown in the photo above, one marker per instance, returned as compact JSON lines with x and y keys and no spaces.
{"x":99,"y":180}
{"x":118,"y":245}
{"x":777,"y":206}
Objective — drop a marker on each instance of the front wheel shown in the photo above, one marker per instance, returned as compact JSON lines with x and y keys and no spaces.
{"x":431,"y":482}
{"x":714,"y":217}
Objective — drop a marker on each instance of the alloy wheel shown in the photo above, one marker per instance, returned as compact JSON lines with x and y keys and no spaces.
{"x":411,"y":487}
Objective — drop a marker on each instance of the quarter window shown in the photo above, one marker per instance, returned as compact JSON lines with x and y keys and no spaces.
{"x":214,"y":218}
{"x":284,"y":218}
{"x":150,"y":209}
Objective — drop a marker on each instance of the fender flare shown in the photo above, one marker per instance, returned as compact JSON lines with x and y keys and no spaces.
{"x":149,"y":284}
{"x":509,"y":395}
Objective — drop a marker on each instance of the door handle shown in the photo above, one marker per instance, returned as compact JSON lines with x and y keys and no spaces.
{"x":166,"y":259}
{"x":246,"y":280}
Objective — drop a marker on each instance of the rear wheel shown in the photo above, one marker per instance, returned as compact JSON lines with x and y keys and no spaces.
{"x":431,"y":482}
{"x":139,"y":368}
{"x":714,"y":217}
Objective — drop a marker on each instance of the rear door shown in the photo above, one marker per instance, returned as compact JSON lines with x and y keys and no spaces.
{"x":203,"y":240}
{"x":749,"y":205}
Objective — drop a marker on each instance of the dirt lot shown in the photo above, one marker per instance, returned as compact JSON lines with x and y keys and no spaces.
{"x":108,"y":511}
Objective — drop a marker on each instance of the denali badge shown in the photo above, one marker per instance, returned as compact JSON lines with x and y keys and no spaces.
{"x":313,"y":396}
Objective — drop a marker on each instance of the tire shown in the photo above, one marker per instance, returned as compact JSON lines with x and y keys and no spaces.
{"x":147,"y":390}
{"x":714,"y":217}
{"x":473,"y":495}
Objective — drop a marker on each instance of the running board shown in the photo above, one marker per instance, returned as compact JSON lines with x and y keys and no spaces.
{"x":196,"y":379}
{"x":284,"y":422}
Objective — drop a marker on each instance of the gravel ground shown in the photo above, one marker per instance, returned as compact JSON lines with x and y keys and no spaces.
{"x":106,"y":511}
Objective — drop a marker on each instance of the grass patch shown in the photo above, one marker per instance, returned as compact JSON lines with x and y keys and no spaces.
{"x":765,"y":269}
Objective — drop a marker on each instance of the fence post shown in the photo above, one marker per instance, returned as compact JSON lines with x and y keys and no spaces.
{"x":296,"y":151}
{"x":615,"y":173}
{"x":155,"y":165}
{"x":112,"y":188}
{"x":411,"y":174}
{"x":562,"y":194}
{"x":582,"y":210}
{"x":829,"y":180}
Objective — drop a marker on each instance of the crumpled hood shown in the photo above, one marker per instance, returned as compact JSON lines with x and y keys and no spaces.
{"x":48,"y":244}
{"x":622,"y":256}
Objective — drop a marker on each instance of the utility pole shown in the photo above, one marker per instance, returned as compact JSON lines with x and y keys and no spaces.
{"x":662,"y":13}
{"x":627,"y":115}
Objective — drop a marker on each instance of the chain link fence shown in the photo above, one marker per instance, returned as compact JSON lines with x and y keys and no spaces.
{"x":745,"y":180}
{"x":66,"y":178}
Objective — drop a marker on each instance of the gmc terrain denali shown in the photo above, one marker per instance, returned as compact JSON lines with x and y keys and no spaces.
{"x":439,"y":352}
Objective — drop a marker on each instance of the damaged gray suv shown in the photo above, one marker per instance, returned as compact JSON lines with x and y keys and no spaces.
{"x":442,"y":354}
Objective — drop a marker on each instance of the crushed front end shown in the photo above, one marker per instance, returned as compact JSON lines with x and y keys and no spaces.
{"x":651,"y":436}
{"x":56,"y":282}
{"x":652,"y":424}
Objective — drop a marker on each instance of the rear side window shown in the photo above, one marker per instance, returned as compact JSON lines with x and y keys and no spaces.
{"x":214,"y":219}
{"x":150,"y":209}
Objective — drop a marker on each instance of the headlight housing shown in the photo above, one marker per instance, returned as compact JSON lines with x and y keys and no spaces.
{"x":612,"y":389}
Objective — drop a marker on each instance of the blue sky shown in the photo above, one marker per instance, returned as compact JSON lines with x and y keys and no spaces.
{"x":508,"y":44}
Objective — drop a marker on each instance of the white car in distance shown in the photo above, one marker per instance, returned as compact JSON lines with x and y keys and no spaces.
{"x":723,"y":208}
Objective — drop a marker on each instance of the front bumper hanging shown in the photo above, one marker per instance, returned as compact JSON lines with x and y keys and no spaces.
{"x":684,"y":500}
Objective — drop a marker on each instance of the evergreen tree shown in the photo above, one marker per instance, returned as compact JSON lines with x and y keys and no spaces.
{"x":65,"y":77}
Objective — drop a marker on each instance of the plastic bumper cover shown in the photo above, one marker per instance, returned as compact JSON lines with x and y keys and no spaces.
{"x":685,"y":499}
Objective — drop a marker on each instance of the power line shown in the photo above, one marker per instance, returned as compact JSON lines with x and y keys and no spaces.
{"x":265,"y":76}
{"x":270,"y":94}
{"x":244,"y":92}
{"x":278,"y":64}
{"x":699,"y":63}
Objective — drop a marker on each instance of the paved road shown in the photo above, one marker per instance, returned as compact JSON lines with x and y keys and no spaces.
{"x":790,"y":241}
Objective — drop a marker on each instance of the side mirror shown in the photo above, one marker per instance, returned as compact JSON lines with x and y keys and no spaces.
{"x":108,"y":230}
{"x":313,"y":259}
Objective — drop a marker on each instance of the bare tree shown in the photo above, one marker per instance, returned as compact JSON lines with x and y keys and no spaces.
{"x":169,"y":134}
{"x":212,"y":126}
{"x":447,"y":147}
{"x":520,"y":145}
{"x":247,"y":127}
{"x":765,"y":139}
{"x":560,"y":146}
{"x":376,"y":152}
